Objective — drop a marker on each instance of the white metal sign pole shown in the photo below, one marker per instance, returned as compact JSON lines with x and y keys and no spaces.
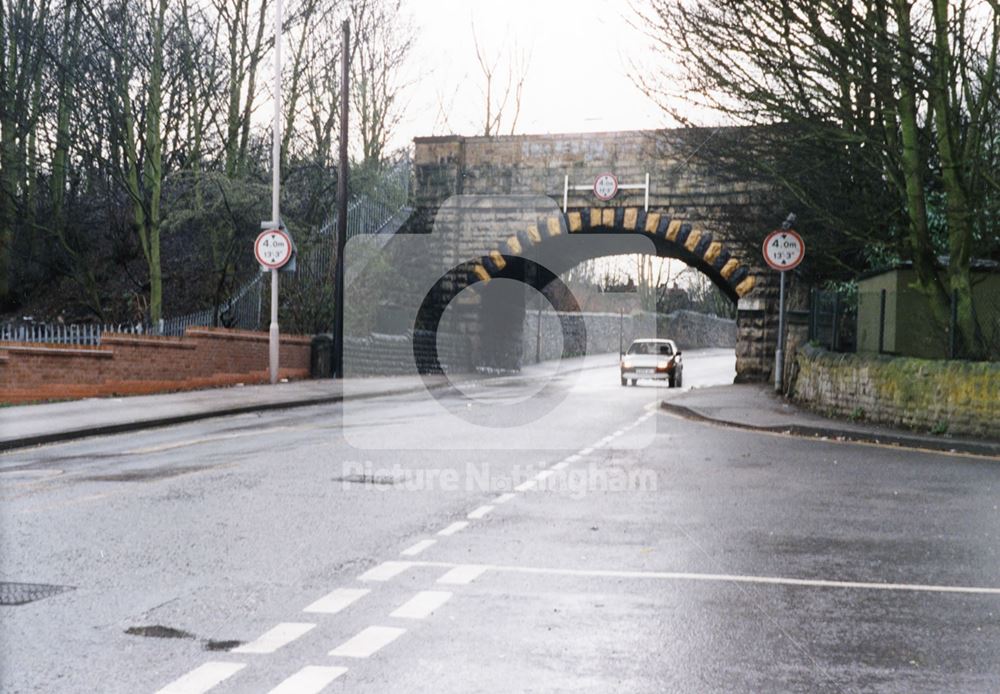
{"x":779,"y":351}
{"x":273,"y":335}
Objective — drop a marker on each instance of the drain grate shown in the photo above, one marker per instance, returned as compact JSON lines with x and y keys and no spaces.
{"x":23,"y":593}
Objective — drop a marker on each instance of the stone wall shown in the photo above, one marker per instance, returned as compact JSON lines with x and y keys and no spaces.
{"x":133,"y":365}
{"x":679,"y":189}
{"x":605,"y":331}
{"x":927,"y":395}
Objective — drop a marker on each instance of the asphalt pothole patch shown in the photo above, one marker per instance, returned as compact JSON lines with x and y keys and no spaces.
{"x":159,"y":631}
{"x":146,"y":475}
{"x":388,"y":480}
{"x":23,"y":593}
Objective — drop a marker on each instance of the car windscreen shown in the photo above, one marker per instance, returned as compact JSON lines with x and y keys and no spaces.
{"x":661,"y":348}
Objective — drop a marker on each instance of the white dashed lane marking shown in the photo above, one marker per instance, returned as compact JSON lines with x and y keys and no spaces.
{"x":525,"y":486}
{"x":385,"y":571}
{"x":417,"y":548}
{"x":480,"y":512}
{"x":463,"y":574}
{"x":561,"y":466}
{"x":573,"y":458}
{"x":202,"y":678}
{"x":279,"y":636}
{"x":544,"y":474}
{"x":453,"y":528}
{"x":586,"y":451}
{"x":367,"y":642}
{"x":309,"y":680}
{"x":503,"y":498}
{"x":422,"y":604}
{"x":337,"y":600}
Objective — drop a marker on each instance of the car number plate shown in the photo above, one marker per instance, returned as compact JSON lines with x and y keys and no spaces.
{"x":644,"y":371}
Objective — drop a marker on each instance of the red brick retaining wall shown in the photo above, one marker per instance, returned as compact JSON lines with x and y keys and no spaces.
{"x":134,"y":364}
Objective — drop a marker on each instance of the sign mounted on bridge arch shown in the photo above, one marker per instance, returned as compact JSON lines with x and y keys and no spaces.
{"x":784,"y":249}
{"x":605,"y":186}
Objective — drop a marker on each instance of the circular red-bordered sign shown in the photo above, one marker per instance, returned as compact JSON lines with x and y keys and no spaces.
{"x":605,"y":186}
{"x":273,"y":249}
{"x":784,"y":249}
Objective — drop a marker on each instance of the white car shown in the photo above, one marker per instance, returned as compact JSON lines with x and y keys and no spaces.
{"x":659,"y":360}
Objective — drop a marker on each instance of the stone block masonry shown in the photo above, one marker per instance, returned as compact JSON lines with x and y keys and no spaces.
{"x":938,"y":396}
{"x":134,"y":365}
{"x":700,"y":197}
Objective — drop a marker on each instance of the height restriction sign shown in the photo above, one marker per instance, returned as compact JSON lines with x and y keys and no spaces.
{"x":273,"y":249}
{"x":784,"y":249}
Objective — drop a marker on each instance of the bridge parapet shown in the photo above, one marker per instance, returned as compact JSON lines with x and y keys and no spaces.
{"x":486,"y":184}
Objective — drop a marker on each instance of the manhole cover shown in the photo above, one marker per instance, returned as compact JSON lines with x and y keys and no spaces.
{"x":23,"y":593}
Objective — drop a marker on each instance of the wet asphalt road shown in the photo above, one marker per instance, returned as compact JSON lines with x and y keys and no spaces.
{"x":610,"y":548}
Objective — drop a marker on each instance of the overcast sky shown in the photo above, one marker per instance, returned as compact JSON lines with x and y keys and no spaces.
{"x":578,"y":77}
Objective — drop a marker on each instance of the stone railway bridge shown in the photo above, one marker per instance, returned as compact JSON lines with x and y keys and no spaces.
{"x":495,"y":206}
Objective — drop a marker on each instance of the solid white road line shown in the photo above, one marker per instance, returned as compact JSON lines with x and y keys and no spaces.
{"x":368,"y":641}
{"x":275,"y":638}
{"x":561,"y":466}
{"x":422,"y":604}
{"x":544,"y":474}
{"x":503,"y":498}
{"x":724,"y":578}
{"x":202,"y":678}
{"x":463,"y":574}
{"x":453,"y":528}
{"x":417,"y":548}
{"x":525,"y":486}
{"x":586,"y":451}
{"x":385,"y":571}
{"x":573,"y":458}
{"x":337,"y":600}
{"x":480,"y":512}
{"x":309,"y":680}
{"x":619,"y":432}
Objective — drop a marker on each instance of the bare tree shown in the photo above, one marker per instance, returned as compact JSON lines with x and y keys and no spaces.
{"x":878,"y":118}
{"x":384,"y":38}
{"x":504,"y":73}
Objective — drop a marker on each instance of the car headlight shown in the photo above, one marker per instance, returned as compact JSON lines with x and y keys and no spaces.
{"x":663,"y":363}
{"x":626,"y":364}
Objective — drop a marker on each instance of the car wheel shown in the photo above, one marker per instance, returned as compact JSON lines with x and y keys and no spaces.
{"x":671,"y":381}
{"x":624,"y":380}
{"x":634,"y":381}
{"x":680,"y":380}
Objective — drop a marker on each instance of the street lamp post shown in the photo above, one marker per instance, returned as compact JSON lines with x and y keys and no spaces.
{"x":274,"y":339}
{"x":338,"y":295}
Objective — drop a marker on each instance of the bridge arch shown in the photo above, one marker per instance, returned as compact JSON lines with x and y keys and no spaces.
{"x":672,"y":236}
{"x":531,"y":255}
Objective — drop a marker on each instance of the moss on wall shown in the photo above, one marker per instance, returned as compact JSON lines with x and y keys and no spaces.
{"x":936,"y":396}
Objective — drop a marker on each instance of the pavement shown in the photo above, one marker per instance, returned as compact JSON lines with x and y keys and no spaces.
{"x":751,"y":406}
{"x":757,"y":407}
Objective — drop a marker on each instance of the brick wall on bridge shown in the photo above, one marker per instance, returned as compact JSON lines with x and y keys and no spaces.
{"x":133,"y":365}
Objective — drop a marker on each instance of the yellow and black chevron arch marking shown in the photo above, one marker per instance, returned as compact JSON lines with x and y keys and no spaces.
{"x":688,"y":239}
